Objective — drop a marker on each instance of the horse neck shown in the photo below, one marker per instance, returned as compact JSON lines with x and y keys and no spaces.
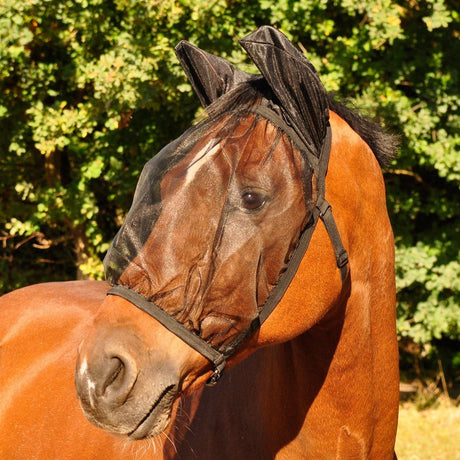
{"x":351,"y":364}
{"x":345,"y":363}
{"x":338,"y":376}
{"x":328,"y":388}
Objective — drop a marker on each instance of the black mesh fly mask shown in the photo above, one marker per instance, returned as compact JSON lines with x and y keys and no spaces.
{"x":287,"y":96}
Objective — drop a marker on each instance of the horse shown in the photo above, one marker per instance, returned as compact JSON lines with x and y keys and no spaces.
{"x":249,"y":307}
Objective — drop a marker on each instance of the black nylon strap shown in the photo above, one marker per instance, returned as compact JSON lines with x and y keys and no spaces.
{"x":341,"y":255}
{"x":322,"y":210}
{"x":217,"y":359}
{"x":270,"y":114}
{"x":325,"y":210}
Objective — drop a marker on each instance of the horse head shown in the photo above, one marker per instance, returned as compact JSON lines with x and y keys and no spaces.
{"x":215,"y":220}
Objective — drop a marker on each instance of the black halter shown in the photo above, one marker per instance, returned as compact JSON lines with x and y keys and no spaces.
{"x":322,"y":210}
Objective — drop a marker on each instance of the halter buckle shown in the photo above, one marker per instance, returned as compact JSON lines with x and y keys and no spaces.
{"x":219,"y":365}
{"x":213,"y":379}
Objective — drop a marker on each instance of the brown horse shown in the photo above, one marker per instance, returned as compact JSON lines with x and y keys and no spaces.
{"x":214,"y":249}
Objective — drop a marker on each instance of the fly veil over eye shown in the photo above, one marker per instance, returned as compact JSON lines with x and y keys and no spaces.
{"x":298,"y":107}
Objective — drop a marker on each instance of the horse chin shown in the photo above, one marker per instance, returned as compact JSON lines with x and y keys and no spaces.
{"x":138,"y":419}
{"x":157,"y":418}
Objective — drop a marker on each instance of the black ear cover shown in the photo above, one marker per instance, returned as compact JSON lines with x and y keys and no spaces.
{"x":294,"y":81}
{"x":210,"y":76}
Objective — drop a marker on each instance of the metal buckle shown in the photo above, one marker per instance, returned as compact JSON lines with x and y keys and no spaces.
{"x":214,"y":378}
{"x":219,"y":365}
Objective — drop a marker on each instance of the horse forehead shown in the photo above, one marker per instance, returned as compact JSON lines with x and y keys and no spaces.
{"x":201,"y":160}
{"x":269,"y":156}
{"x":258,"y":148}
{"x":245,"y":148}
{"x":252,"y":140}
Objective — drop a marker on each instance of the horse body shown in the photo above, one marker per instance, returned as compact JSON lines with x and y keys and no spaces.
{"x":40,"y":329}
{"x":318,"y":380}
{"x":323,"y":393}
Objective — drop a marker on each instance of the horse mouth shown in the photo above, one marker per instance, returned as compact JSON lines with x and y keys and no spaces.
{"x":157,"y":418}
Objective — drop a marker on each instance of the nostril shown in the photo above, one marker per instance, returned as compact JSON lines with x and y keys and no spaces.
{"x":106,"y":377}
{"x":117,"y":379}
{"x":115,"y":372}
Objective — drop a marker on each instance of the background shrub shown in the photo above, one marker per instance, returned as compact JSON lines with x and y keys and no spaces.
{"x":91,"y":89}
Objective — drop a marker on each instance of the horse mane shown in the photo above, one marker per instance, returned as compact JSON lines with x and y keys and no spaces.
{"x":384,"y":145}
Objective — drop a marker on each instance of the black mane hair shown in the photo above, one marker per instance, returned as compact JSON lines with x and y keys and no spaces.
{"x":383,"y":144}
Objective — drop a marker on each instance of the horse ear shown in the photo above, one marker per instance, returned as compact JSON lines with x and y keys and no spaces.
{"x":210,"y":76}
{"x":293,"y":80}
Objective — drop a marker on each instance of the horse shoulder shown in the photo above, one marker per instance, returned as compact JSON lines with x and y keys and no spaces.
{"x":40,"y":329}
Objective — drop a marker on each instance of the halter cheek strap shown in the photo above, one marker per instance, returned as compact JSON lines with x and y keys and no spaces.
{"x":322,"y":210}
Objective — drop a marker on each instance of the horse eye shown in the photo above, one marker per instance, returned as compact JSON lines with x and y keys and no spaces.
{"x":252,"y":201}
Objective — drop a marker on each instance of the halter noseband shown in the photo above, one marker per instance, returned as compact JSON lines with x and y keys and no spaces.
{"x":322,"y":210}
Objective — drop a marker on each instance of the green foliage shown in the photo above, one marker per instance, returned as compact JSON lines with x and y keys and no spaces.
{"x":429,"y":293}
{"x":90,"y":89}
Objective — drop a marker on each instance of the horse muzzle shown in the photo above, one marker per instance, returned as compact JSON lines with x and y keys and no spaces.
{"x":129,"y":373}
